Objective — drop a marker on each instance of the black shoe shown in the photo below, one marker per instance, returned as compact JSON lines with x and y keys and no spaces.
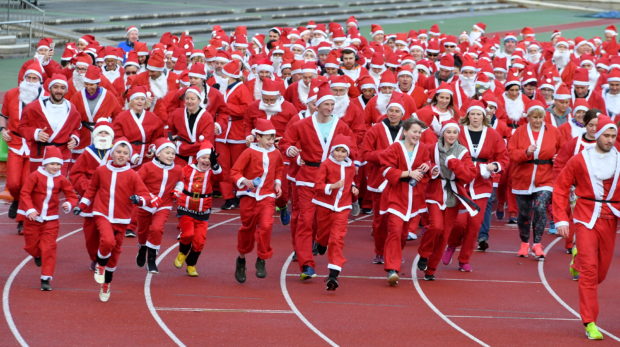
{"x":315,"y":249}
{"x":261,"y":272}
{"x":483,"y":245}
{"x":141,"y":257}
{"x":37,"y":261}
{"x":229,"y":204}
{"x":240,"y":270}
{"x":20,"y":228}
{"x":285,"y":216}
{"x":331,"y":283}
{"x":13,"y":209}
{"x":45,"y":285}
{"x":512,"y":220}
{"x":367,"y":210}
{"x":429,"y":277}
{"x":422,"y":264}
{"x":130,"y":233}
{"x":320,"y":249}
{"x":151,"y":257}
{"x":499,"y":214}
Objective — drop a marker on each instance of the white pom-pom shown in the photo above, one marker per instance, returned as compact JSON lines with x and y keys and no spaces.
{"x":148,"y":94}
{"x":201,"y":138}
{"x":316,"y":89}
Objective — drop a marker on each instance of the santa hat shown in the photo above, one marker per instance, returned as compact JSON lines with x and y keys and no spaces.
{"x":562,"y":93}
{"x":377,"y":61}
{"x":132,"y":59}
{"x":614,"y":76}
{"x":264,"y":127}
{"x":264,"y":65}
{"x":341,"y":141}
{"x":136,"y":91}
{"x":483,"y":80}
{"x":510,"y":36}
{"x":512,"y":78}
{"x":527,"y":31}
{"x":397,"y":101}
{"x":34,"y":67}
{"x":205,"y":149}
{"x":222,"y":57}
{"x":131,"y":28}
{"x":270,"y":87}
{"x":405,"y":70}
{"x":376,"y":29}
{"x":481,"y":27}
{"x":83,"y":59}
{"x":450,"y":123}
{"x":93,"y":75}
{"x":585,"y":59}
{"x":297,"y":67}
{"x":309,"y":67}
{"x":156,"y":62}
{"x":197,"y":53}
{"x":447,"y":62}
{"x":197,"y":70}
{"x":499,"y":64}
{"x":332,"y":62}
{"x":580,"y":104}
{"x":162,"y":143}
{"x":196,"y":91}
{"x":324,"y":47}
{"x":580,"y":77}
{"x":476,"y":105}
{"x":535,"y":105}
{"x":232,"y":69}
{"x":433,"y":47}
{"x":392,"y":61}
{"x":315,"y":85}
{"x":52,"y":155}
{"x":611,"y":30}
{"x":468,"y":63}
{"x":323,"y":94}
{"x":103,"y":124}
{"x":529,"y":75}
{"x":489,"y":98}
{"x":122,"y":141}
{"x":339,"y":81}
{"x":435,"y":30}
{"x":366,"y":82}
{"x":58,"y":78}
{"x":450,"y":40}
{"x":387,"y":79}
{"x":604,"y":123}
{"x":45,"y":42}
{"x":444,"y":87}
{"x":562,"y":42}
{"x":87,"y":39}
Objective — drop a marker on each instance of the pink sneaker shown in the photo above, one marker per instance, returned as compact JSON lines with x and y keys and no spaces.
{"x":465,"y":267}
{"x":447,"y":255}
{"x":538,"y":251}
{"x":524,"y":249}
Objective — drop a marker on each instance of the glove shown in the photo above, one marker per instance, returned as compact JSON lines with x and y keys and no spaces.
{"x":155,"y":201}
{"x":213,"y":159}
{"x":77,"y":211}
{"x":136,"y":200}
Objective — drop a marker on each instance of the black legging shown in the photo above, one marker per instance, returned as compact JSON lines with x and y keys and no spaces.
{"x":537,"y":203}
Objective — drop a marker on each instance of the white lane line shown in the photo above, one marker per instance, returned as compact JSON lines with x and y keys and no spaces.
{"x":3,"y":213}
{"x":543,"y":278}
{"x":6,"y":307}
{"x":438,"y":279}
{"x":524,"y":318}
{"x":289,"y":300}
{"x":430,"y":304}
{"x":234,"y":310}
{"x":147,"y":289}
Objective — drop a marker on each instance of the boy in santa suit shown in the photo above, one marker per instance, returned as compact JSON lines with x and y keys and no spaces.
{"x":594,"y":173}
{"x":113,"y":189}
{"x":39,"y":200}
{"x":95,"y":155}
{"x":257,"y":174}
{"x":160,"y":177}
{"x":334,"y":189}
{"x":194,"y":206}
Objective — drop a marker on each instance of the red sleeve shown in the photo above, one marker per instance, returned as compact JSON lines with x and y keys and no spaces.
{"x":93,"y":186}
{"x":78,"y":174}
{"x":515,"y":150}
{"x":501,"y":155}
{"x":69,"y":192}
{"x":25,"y":195}
{"x":368,"y":150}
{"x":561,"y":190}
{"x":238,"y":169}
{"x":389,"y":164}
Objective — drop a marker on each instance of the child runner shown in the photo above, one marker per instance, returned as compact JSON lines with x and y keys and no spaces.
{"x":38,"y":201}
{"x":334,"y":189}
{"x":257,"y":175}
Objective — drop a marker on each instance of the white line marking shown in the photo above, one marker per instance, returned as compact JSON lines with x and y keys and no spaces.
{"x":290,"y":302}
{"x":7,"y":290}
{"x":426,"y":300}
{"x":543,"y":278}
{"x":147,"y":289}
{"x":525,"y":318}
{"x":438,"y":279}
{"x":3,"y":213}
{"x":234,"y":310}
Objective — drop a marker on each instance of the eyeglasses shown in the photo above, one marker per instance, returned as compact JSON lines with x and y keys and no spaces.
{"x":432,"y":54}
{"x":130,"y":73}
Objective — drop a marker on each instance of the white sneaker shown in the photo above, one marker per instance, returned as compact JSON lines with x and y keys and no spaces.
{"x":411,"y":236}
{"x":104,"y":292}
{"x":99,"y":274}
{"x":355,"y":209}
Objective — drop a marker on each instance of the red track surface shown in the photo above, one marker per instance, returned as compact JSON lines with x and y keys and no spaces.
{"x":502,"y":302}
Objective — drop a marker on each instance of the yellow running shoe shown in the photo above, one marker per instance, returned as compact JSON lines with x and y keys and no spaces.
{"x":592,"y":332}
{"x":179,"y":260}
{"x":191,"y":271}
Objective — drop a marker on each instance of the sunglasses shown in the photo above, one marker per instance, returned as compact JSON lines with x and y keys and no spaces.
{"x":130,"y":73}
{"x":432,"y":54}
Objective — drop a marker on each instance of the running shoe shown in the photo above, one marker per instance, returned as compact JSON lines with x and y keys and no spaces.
{"x":191,"y":271}
{"x":261,"y":271}
{"x":45,"y":285}
{"x":285,"y":216}
{"x":411,"y":236}
{"x":422,"y":264}
{"x":537,"y":248}
{"x":378,"y":259}
{"x":355,"y":209}
{"x":307,"y":273}
{"x":429,"y":277}
{"x":392,"y":278}
{"x":179,"y":260}
{"x":592,"y":332}
{"x":104,"y":292}
{"x":331,"y":283}
{"x":463,"y":267}
{"x":447,"y":255}
{"x":524,"y":250}
{"x":99,"y":274}
{"x":483,"y":245}
{"x":130,"y":233}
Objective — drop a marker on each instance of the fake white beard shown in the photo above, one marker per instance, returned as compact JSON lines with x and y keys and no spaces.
{"x":469,"y":85}
{"x":316,"y":40}
{"x":375,"y":76}
{"x":159,"y":86}
{"x":271,"y":109}
{"x":78,"y":81}
{"x":474,"y":35}
{"x":102,"y":142}
{"x":28,"y":91}
{"x":341,"y":105}
{"x":277,"y":61}
{"x":258,"y":87}
{"x":534,"y":58}
{"x":561,"y":59}
{"x":382,"y":101}
{"x":299,"y":57}
{"x":111,"y":75}
{"x":593,"y":76}
{"x":303,"y":91}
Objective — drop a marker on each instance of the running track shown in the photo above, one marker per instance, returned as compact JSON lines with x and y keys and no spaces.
{"x":503,"y":302}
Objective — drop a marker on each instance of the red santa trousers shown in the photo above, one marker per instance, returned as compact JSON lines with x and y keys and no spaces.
{"x":256,"y":226}
{"x":40,"y":241}
{"x":505,"y":195}
{"x":151,"y":227}
{"x":16,"y":176}
{"x":304,"y":231}
{"x":465,"y":232}
{"x":397,"y":230}
{"x":596,"y":250}
{"x":229,"y":152}
{"x":91,"y":237}
{"x":111,"y":236}
{"x":294,"y":211}
{"x":282,"y":201}
{"x":331,"y":230}
{"x":435,"y":238}
{"x":193,"y":232}
{"x":379,"y":226}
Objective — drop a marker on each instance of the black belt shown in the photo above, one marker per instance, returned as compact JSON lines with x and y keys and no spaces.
{"x":540,"y":161}
{"x":137,"y":143}
{"x":89,"y":125}
{"x":480,"y":160}
{"x":196,"y":195}
{"x":40,"y":145}
{"x":312,"y":163}
{"x":598,"y":200}
{"x":513,"y":125}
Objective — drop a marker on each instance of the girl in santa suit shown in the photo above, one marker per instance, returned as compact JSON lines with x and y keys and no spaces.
{"x":532,"y":149}
{"x":404,"y":164}
{"x":575,"y":127}
{"x":488,"y":153}
{"x":257,"y":174}
{"x":440,"y":109}
{"x":334,"y":190}
{"x":38,"y":202}
{"x":194,"y":206}
{"x":95,"y":155}
{"x":231,"y":143}
{"x":160,"y":177}
{"x":139,"y":126}
{"x":113,"y":189}
{"x":569,"y":150}
{"x":513,"y":101}
{"x":446,"y":193}
{"x":190,"y":125}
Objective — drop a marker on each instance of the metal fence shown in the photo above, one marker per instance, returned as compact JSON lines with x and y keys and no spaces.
{"x":18,"y":26}
{"x":18,"y":10}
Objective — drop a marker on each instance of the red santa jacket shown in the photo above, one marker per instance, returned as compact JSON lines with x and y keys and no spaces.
{"x":195,"y":192}
{"x":109,"y":191}
{"x":41,"y":193}
{"x":570,"y":149}
{"x":295,"y":96}
{"x":12,"y":110}
{"x":533,"y":173}
{"x":257,"y":162}
{"x":373,"y":115}
{"x":215,"y":105}
{"x":34,"y":119}
{"x":279,"y":120}
{"x":491,"y":149}
{"x":460,"y":98}
{"x":578,"y":173}
{"x":237,"y":98}
{"x":251,"y":84}
{"x":431,"y":116}
{"x":188,"y":143}
{"x":159,"y":106}
{"x":72,"y":91}
{"x":418,"y":94}
{"x":376,"y":140}
{"x":107,"y":107}
{"x":399,"y":197}
{"x":329,"y":173}
{"x":570,"y":130}
{"x":513,"y":110}
{"x":82,"y":171}
{"x":140,"y":132}
{"x":49,"y":69}
{"x":304,"y":135}
{"x":161,"y":180}
{"x":354,"y":118}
